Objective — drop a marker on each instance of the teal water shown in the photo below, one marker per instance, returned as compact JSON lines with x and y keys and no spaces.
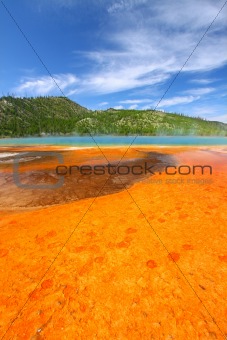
{"x":113,"y":140}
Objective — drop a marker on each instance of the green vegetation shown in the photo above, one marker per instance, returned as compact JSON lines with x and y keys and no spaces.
{"x":59,"y":115}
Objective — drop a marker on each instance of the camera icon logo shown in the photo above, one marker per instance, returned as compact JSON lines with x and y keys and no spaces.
{"x":34,"y":154}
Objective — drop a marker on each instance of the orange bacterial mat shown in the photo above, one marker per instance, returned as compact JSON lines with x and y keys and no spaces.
{"x":146,"y":262}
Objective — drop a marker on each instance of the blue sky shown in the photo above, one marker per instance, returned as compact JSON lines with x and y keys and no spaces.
{"x":118,"y":53}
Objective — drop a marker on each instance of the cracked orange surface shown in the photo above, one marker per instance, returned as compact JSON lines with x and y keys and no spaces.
{"x":148,"y":262}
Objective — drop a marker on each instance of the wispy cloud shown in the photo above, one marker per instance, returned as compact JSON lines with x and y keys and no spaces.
{"x":203,"y":81}
{"x":148,"y":42}
{"x":135,"y":101}
{"x":45,"y":85}
{"x":147,"y":61}
{"x":72,"y":92}
{"x":103,"y":103}
{"x":133,"y":107}
{"x":218,"y":118}
{"x":200,"y":91}
{"x":216,"y":112}
{"x":194,"y":95}
{"x":178,"y":100}
{"x":144,"y":54}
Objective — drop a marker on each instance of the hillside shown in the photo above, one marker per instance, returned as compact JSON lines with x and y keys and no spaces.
{"x":36,"y":116}
{"x":58,"y":115}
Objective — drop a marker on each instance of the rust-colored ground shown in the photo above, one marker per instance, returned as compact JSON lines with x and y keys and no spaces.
{"x":148,"y":262}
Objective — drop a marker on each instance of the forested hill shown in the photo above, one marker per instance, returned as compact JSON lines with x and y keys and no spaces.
{"x":59,"y":115}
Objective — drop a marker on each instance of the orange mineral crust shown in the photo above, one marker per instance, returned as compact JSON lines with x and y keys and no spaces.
{"x":146,"y":262}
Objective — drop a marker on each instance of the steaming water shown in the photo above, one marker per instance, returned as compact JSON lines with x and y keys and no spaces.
{"x":82,"y":141}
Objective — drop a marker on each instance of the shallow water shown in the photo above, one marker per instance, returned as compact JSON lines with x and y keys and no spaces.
{"x":115,"y":140}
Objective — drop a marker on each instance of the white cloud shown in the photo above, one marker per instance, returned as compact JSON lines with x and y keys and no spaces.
{"x":46,"y":85}
{"x":219,"y":118}
{"x":184,"y":14}
{"x":135,"y":101}
{"x":119,"y":80}
{"x":202,"y":81}
{"x":118,"y":107}
{"x":103,"y":103}
{"x":116,"y":7}
{"x":145,"y":55}
{"x":215,"y":112}
{"x":72,"y":92}
{"x":178,"y":100}
{"x":200,"y":91}
{"x":133,"y":107}
{"x":147,"y":107}
{"x":124,"y":5}
{"x":152,"y":40}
